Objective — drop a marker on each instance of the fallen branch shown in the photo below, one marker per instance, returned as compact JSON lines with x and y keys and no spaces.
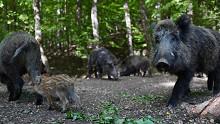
{"x":209,"y":109}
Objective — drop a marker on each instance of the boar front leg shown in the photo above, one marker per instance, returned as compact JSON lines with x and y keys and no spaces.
{"x":50,"y":101}
{"x":180,"y":88}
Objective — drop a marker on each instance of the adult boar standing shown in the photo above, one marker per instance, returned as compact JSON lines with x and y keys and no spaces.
{"x":135,"y":64}
{"x":183,"y":49}
{"x":19,"y":54}
{"x":102,"y":59}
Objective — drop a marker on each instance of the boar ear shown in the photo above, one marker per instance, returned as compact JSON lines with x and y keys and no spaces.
{"x":153,"y":26}
{"x":74,"y":78}
{"x":183,"y":22}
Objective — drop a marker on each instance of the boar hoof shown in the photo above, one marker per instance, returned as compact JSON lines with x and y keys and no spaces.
{"x":64,"y":111}
{"x":11,"y":97}
{"x":170,"y":106}
{"x":39,"y":100}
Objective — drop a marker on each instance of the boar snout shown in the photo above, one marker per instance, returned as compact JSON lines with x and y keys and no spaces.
{"x":162,"y":65}
{"x":115,"y":77}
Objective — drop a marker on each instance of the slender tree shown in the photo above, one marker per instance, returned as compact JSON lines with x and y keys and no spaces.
{"x":6,"y":15}
{"x":95,"y":23}
{"x":78,"y":13}
{"x":38,"y":33}
{"x":13,"y":8}
{"x":128,"y":27}
{"x":145,"y":25}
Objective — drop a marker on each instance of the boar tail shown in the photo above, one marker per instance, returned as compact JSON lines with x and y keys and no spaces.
{"x":17,"y":52}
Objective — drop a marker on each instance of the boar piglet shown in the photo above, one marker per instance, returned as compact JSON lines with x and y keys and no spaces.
{"x":102,"y":59}
{"x":57,"y":86}
{"x":184,"y":49}
{"x":133,"y":65}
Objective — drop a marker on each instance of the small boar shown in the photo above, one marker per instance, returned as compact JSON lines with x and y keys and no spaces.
{"x":19,"y":54}
{"x":133,"y":65}
{"x":57,"y":86}
{"x":102,"y":59}
{"x":184,"y":49}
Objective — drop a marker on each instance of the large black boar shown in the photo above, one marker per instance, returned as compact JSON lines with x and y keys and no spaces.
{"x":133,"y":65}
{"x":102,"y":59}
{"x":19,"y":54}
{"x":183,"y":49}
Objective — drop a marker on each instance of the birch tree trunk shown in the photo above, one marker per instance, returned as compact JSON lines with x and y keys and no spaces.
{"x":38,"y":33}
{"x":95,"y":23}
{"x":145,"y":27}
{"x":128,"y":27}
{"x":58,"y":23}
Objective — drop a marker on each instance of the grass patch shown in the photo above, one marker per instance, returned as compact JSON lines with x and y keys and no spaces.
{"x":143,"y":99}
{"x":109,"y":115}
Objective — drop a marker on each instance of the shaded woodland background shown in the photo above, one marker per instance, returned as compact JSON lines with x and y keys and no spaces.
{"x":69,"y":29}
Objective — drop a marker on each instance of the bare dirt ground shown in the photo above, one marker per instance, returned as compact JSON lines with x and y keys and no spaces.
{"x":95,"y":92}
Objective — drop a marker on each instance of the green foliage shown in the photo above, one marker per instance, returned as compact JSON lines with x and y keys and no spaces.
{"x":112,"y":28}
{"x":109,"y":115}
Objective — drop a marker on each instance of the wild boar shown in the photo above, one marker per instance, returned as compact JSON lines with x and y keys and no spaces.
{"x":102,"y":59}
{"x":133,"y":65}
{"x":57,"y":86}
{"x":19,"y":54}
{"x":184,"y":49}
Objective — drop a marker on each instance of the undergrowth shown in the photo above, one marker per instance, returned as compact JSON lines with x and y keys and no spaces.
{"x":109,"y":115}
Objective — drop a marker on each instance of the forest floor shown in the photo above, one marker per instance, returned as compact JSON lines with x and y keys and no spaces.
{"x":134,"y":96}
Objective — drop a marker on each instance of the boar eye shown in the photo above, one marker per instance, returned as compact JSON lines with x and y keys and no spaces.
{"x":157,"y":41}
{"x":173,"y":38}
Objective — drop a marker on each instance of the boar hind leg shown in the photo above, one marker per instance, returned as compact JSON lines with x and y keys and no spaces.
{"x":11,"y":90}
{"x":89,"y":71}
{"x":39,"y":99}
{"x":180,"y":88}
{"x":64,"y":100}
{"x":100,"y":73}
{"x":18,"y":87}
{"x":210,"y":81}
{"x":76,"y":98}
{"x":216,"y":83}
{"x":96,"y":75}
{"x":14,"y":87}
{"x":10,"y":86}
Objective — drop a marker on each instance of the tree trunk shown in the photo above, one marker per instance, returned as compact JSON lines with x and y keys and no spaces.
{"x":157,"y":7}
{"x":145,"y":27}
{"x":13,"y":8}
{"x":128,"y":27}
{"x":209,"y":109}
{"x":78,"y":13}
{"x":58,"y":23}
{"x":38,"y":34}
{"x":95,"y":23}
{"x":6,"y":15}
